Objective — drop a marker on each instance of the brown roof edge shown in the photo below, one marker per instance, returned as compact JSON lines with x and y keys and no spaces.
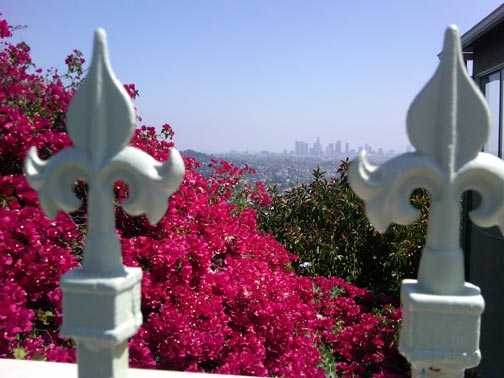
{"x":482,"y":27}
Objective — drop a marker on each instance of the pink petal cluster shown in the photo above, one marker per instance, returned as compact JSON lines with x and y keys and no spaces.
{"x":217,"y":294}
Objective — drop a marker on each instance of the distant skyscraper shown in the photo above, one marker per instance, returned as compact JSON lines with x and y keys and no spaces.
{"x":298,"y":149}
{"x":347,"y":148}
{"x":301,"y":148}
{"x":337,"y":149}
{"x":330,"y":149}
{"x":317,"y":148}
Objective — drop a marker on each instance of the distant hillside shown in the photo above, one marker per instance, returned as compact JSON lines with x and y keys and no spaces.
{"x":283,"y":170}
{"x":199,"y":156}
{"x":202,"y":158}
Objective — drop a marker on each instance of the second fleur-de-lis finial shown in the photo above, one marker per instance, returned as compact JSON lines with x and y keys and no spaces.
{"x":448,"y":123}
{"x":101,"y":121}
{"x":449,"y":120}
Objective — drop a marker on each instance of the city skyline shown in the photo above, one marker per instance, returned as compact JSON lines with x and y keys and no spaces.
{"x":334,"y":149}
{"x":258,"y":75}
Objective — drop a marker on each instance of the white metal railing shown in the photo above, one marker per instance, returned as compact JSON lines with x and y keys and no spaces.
{"x":448,"y":123}
{"x":31,"y":369}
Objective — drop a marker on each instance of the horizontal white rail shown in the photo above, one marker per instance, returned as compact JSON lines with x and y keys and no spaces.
{"x":42,"y":369}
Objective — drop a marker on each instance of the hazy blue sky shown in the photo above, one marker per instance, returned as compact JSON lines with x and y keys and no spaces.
{"x":259,"y":74}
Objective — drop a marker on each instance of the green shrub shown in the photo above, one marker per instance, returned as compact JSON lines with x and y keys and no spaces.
{"x":324,"y":223}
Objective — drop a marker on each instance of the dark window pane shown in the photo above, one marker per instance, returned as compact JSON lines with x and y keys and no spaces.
{"x":491,"y":89}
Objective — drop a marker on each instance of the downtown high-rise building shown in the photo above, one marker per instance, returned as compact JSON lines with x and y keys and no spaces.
{"x":329,"y":151}
{"x":301,"y":148}
{"x":317,"y":148}
{"x":337,"y":149}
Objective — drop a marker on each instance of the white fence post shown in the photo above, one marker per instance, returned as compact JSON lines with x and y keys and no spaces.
{"x":101,"y":300}
{"x":448,"y":123}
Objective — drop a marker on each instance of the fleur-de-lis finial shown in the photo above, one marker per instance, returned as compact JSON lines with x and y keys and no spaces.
{"x":100,"y":121}
{"x":449,"y":120}
{"x":448,"y":123}
{"x":101,"y":299}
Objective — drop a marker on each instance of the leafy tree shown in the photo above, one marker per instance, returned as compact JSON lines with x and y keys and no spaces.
{"x":325,"y":225}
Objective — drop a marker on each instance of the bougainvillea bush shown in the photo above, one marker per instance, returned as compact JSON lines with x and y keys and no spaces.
{"x":218,"y":295}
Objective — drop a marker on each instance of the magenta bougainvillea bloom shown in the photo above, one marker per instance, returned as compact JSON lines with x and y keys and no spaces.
{"x":218,"y":295}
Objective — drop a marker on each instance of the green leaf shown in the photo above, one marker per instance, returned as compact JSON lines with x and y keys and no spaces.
{"x":19,"y":353}
{"x":38,"y":357}
{"x":44,"y":316}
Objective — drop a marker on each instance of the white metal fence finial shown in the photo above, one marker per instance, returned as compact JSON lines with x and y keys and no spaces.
{"x":101,"y":300}
{"x":448,"y":123}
